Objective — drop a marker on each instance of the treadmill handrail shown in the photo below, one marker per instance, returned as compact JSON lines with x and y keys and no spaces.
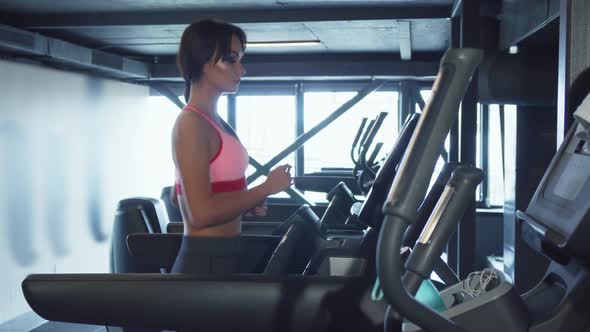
{"x":184,"y":301}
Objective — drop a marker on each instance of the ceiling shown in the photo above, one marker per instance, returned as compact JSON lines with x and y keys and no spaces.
{"x":149,"y":30}
{"x":427,"y":35}
{"x":116,"y":6}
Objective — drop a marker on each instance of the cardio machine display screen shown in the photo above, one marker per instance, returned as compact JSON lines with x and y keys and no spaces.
{"x":568,"y":187}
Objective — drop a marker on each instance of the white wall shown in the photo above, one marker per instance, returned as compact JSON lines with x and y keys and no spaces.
{"x":71,"y":147}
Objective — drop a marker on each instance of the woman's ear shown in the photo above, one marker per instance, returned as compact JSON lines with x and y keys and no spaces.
{"x":207,"y":66}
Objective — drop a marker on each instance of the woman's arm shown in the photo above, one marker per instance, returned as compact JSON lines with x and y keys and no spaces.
{"x":173,"y":196}
{"x":192,"y":153}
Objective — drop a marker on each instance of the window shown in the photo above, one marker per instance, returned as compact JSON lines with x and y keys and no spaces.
{"x":440,"y":162}
{"x":154,"y":134}
{"x":489,"y":156}
{"x":425,"y":95}
{"x":331,"y":146}
{"x":266,"y":126}
{"x":495,"y":171}
{"x":489,"y":142}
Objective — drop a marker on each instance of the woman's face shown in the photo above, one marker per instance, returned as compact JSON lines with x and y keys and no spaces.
{"x":226,"y":73}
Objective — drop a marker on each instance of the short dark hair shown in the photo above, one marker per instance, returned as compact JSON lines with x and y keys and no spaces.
{"x":202,"y":40}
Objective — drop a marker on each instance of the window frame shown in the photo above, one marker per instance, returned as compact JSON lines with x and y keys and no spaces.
{"x":297,"y":89}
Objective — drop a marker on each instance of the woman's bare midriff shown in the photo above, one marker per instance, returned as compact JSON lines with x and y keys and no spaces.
{"x":229,"y":229}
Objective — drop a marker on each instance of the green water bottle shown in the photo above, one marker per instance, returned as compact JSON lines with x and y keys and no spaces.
{"x":429,"y":296}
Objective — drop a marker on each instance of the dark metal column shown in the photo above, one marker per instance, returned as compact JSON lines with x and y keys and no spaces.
{"x":529,"y":136}
{"x":299,"y":128}
{"x":453,"y":245}
{"x":470,"y":37}
{"x":484,"y":125}
{"x":231,"y":111}
{"x":406,"y":101}
{"x":420,"y":102}
{"x":454,"y":135}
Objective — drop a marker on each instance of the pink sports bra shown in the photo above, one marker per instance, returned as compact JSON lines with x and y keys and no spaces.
{"x":228,"y":166}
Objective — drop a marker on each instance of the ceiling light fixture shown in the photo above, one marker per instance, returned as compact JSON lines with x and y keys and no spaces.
{"x":295,"y":43}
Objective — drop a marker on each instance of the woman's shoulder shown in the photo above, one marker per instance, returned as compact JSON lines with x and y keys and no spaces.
{"x":191,"y":121}
{"x":193,"y":127}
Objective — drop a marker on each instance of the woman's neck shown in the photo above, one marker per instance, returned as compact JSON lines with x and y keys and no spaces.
{"x":203,"y":98}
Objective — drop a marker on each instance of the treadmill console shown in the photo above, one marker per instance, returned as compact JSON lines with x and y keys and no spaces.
{"x":558,"y":216}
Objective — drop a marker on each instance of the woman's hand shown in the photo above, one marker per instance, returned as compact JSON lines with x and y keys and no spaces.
{"x":278,"y":179}
{"x":259,"y":210}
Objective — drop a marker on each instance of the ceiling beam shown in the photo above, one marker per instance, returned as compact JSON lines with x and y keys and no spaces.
{"x":25,"y":44}
{"x":405,"y":40}
{"x":514,"y":27}
{"x":237,"y":16}
{"x":321,"y":65}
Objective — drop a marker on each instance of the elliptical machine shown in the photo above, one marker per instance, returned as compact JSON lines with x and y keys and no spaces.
{"x":556,"y":224}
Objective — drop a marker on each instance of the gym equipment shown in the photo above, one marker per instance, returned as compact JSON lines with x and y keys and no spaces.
{"x":556,"y":224}
{"x":237,"y":302}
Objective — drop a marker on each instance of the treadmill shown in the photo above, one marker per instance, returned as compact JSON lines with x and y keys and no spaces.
{"x":322,"y":302}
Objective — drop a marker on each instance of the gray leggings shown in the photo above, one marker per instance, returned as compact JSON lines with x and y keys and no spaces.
{"x":208,"y":255}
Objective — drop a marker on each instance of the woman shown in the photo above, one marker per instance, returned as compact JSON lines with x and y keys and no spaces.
{"x":210,"y":160}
